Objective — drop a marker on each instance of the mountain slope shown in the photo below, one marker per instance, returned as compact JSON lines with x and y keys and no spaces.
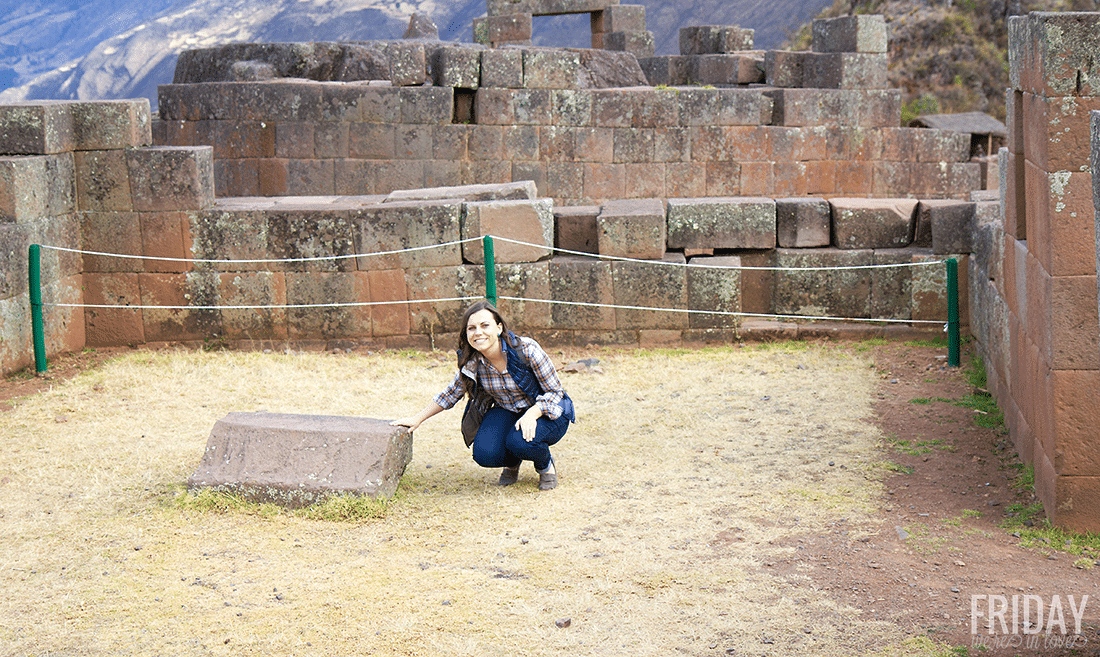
{"x":63,"y":49}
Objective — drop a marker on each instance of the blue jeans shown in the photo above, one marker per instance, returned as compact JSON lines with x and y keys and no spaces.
{"x":499,"y":444}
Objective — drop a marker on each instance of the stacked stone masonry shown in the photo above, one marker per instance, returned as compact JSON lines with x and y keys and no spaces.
{"x":1033,"y":284}
{"x":585,"y":125}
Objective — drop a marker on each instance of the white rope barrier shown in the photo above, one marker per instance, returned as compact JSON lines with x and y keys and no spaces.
{"x":470,"y":298}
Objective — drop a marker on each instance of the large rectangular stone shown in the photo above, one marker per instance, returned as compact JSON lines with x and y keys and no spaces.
{"x":527,"y":221}
{"x":846,"y":70}
{"x":842,"y":293}
{"x":111,"y":124}
{"x":551,"y":69}
{"x":23,"y":185}
{"x":528,"y":285}
{"x":861,"y":33}
{"x":952,"y":222}
{"x":891,"y":286}
{"x":408,"y":62}
{"x":519,"y":190}
{"x":714,"y":284}
{"x":112,"y":327}
{"x":324,"y":321}
{"x":433,"y":105}
{"x":725,"y":70}
{"x":722,"y":223}
{"x":171,"y":178}
{"x":576,"y":280}
{"x":395,"y":226}
{"x":547,"y":7}
{"x":102,"y":181}
{"x":803,"y":222}
{"x":111,"y":232}
{"x":638,"y":43}
{"x":700,"y":106}
{"x":502,"y":68}
{"x":1052,"y":53}
{"x":311,"y":239}
{"x":667,"y":70}
{"x":229,"y":235}
{"x":783,"y":68}
{"x":860,"y":223}
{"x":714,"y":39}
{"x":575,"y":228}
{"x":455,"y":66}
{"x":36,"y":128}
{"x":298,"y":460}
{"x":632,"y":229}
{"x":650,"y":290}
{"x":1057,"y":135}
{"x":619,"y":18}
{"x":1061,"y":230}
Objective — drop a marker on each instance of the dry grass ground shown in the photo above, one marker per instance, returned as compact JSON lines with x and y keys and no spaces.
{"x":680,"y":483}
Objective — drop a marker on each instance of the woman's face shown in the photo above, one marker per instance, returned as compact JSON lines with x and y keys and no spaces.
{"x":483,"y":332}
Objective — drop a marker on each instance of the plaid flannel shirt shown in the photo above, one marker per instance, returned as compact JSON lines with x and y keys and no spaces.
{"x":503,"y":389}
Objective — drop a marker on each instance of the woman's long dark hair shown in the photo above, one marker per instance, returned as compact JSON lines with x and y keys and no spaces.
{"x":466,"y":351}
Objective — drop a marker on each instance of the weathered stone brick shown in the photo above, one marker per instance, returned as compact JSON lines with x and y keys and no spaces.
{"x":547,"y":7}
{"x":1058,"y":136}
{"x":262,"y":288}
{"x":110,"y":327}
{"x":638,"y":43}
{"x":873,"y":223}
{"x":565,"y":181}
{"x":110,"y":124}
{"x":846,"y":70}
{"x":891,"y":287}
{"x":441,"y":319}
{"x":316,"y":237}
{"x":502,"y":68}
{"x":659,"y":285}
{"x":24,"y":182}
{"x":532,"y":106}
{"x":714,"y":39}
{"x":802,"y":222}
{"x":575,"y":228}
{"x":434,"y":105}
{"x":832,"y":292}
{"x":700,"y":106}
{"x":644,"y":180}
{"x":632,"y":229}
{"x":36,"y":128}
{"x":952,"y":224}
{"x":1051,"y":53}
{"x":277,"y":100}
{"x":528,"y":285}
{"x":686,"y":179}
{"x":408,"y":63}
{"x":173,"y":295}
{"x":784,"y":68}
{"x":633,"y":145}
{"x":864,"y":33}
{"x":714,"y":284}
{"x":668,"y":70}
{"x":171,"y":178}
{"x":318,"y":177}
{"x":398,"y":225}
{"x":787,"y":144}
{"x":389,"y":315}
{"x":165,"y":235}
{"x":295,"y":140}
{"x":316,"y":288}
{"x":228,"y":235}
{"x":551,"y":69}
{"x":527,"y":221}
{"x":103,"y":181}
{"x":582,"y":280}
{"x":619,"y":18}
{"x":721,"y":223}
{"x":757,"y":178}
{"x":455,"y":66}
{"x":111,"y":232}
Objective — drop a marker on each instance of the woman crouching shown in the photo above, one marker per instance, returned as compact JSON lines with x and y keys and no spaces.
{"x":512,"y":382}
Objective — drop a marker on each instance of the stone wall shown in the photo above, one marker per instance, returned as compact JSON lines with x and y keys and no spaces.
{"x":1033,"y":282}
{"x":584,"y":125}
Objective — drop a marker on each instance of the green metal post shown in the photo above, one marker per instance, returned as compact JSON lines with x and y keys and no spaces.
{"x":953,"y":313}
{"x":34,"y":266}
{"x":490,"y":270}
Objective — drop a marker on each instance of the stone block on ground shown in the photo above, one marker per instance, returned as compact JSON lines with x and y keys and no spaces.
{"x":635,"y":228}
{"x":860,"y":223}
{"x":803,"y":222}
{"x":953,"y":224}
{"x":714,"y":284}
{"x":721,"y":223}
{"x":528,"y":221}
{"x":36,"y":128}
{"x":512,"y":191}
{"x":862,"y":33}
{"x":297,"y":460}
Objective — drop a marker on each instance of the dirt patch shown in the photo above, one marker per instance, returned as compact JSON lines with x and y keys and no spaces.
{"x":942,"y":538}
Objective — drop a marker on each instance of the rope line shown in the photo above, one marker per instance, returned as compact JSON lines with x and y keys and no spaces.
{"x":747,"y":268}
{"x":728,"y":313}
{"x":261,"y":260}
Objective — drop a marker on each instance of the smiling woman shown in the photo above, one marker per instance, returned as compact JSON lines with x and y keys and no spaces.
{"x":514,"y":395}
